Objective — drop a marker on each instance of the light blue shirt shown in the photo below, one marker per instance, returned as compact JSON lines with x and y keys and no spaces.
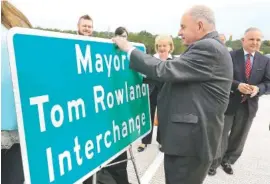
{"x":8,"y":112}
{"x":251,"y":57}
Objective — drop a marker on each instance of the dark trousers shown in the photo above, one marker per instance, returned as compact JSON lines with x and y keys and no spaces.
{"x":148,"y":138}
{"x":115,"y":174}
{"x":119,"y":171}
{"x":11,"y":165}
{"x":235,"y":133}
{"x":184,"y":170}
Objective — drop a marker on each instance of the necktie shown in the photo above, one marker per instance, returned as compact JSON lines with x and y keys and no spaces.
{"x":247,"y":72}
{"x":248,"y":67}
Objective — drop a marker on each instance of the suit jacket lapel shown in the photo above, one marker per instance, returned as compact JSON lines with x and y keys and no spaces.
{"x":241,"y":64}
{"x":255,"y":66}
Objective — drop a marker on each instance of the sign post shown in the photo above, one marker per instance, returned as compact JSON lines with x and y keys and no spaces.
{"x":78,"y":104}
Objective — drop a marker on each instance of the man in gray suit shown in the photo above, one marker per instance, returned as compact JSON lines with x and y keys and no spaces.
{"x":251,"y":80}
{"x":193,"y":99}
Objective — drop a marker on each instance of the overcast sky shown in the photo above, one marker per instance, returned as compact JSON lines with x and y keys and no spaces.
{"x":156,"y":16}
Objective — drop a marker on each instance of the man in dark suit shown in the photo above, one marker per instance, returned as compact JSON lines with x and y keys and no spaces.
{"x":193,"y":99}
{"x":251,"y":80}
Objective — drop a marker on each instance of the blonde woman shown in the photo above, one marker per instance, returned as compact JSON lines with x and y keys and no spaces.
{"x":164,"y":47}
{"x":11,"y":163}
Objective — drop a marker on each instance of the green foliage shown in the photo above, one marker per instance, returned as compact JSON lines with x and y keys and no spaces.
{"x":236,"y":44}
{"x":148,"y":40}
{"x":179,"y":47}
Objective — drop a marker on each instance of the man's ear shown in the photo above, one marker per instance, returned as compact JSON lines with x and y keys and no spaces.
{"x":200,"y":25}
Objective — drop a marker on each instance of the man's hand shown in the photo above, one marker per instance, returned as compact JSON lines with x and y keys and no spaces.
{"x":122,"y":43}
{"x":255,"y":91}
{"x":245,"y":88}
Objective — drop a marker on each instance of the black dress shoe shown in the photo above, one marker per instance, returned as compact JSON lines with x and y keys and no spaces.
{"x":142,"y":147}
{"x":227,"y":167}
{"x":212,"y":171}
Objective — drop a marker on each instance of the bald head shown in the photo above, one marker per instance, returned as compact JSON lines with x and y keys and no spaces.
{"x":196,"y":23}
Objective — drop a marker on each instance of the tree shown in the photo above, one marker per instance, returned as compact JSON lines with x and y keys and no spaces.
{"x":148,"y":40}
{"x":178,"y":46}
